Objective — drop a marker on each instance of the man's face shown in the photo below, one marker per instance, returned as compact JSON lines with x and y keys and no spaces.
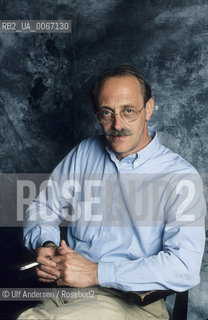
{"x":117,"y":93}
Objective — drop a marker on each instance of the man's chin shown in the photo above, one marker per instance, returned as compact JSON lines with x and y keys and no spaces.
{"x":117,"y":146}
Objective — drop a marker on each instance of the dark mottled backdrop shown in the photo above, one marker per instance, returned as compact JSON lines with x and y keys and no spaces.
{"x":45,"y":80}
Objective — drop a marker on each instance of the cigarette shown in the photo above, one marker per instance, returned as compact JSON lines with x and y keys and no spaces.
{"x":28,"y":266}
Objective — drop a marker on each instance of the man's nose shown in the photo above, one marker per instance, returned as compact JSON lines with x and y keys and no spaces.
{"x":117,"y":121}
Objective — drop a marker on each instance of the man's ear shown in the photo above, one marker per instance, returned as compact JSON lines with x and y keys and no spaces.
{"x":149,"y":108}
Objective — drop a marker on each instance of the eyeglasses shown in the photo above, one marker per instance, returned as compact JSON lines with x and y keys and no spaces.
{"x":128,"y":114}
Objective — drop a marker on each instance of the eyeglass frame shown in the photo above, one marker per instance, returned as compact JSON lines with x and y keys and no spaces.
{"x":114,"y":114}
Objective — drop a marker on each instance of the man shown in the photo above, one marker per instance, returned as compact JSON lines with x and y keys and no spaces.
{"x":135,"y":212}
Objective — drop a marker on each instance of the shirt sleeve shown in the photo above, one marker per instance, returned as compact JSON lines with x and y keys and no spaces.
{"x":50,"y":208}
{"x":177,"y":265}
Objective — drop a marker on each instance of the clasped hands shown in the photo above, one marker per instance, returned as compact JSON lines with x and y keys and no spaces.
{"x":66,"y":267}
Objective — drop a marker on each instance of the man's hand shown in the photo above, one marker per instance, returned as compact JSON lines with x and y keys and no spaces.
{"x":46,"y":271}
{"x":75,"y":270}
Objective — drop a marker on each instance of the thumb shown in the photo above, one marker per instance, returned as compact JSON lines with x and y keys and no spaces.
{"x":64,"y":246}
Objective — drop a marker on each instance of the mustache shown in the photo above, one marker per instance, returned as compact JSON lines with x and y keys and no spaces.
{"x":118,"y":133}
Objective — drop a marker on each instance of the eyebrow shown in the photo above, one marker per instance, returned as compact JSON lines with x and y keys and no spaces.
{"x":123,"y":106}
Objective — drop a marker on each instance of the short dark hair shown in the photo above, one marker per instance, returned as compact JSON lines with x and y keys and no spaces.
{"x":119,"y":71}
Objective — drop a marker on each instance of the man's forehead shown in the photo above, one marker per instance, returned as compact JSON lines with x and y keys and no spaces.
{"x":117,"y":99}
{"x":121,"y":81}
{"x":120,"y":88}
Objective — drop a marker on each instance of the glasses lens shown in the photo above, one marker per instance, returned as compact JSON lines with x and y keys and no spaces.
{"x":104,"y":115}
{"x":129,"y":114}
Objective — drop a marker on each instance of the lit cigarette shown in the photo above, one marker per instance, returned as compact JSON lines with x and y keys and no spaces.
{"x":28,"y":266}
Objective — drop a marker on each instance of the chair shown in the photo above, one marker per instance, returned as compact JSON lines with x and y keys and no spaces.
{"x":180,"y":308}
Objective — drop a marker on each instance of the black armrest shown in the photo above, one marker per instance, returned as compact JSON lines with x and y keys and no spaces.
{"x":140,"y":299}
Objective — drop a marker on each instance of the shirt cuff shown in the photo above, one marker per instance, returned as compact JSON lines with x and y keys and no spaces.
{"x":106,"y":274}
{"x":48,"y":237}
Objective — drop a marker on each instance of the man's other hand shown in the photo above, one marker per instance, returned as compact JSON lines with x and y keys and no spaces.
{"x":75,"y":270}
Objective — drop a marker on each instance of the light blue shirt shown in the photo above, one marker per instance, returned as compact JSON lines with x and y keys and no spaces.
{"x":141,"y":219}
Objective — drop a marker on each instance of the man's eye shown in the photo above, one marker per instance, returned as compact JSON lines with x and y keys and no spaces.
{"x":129,"y":111}
{"x":106,"y":112}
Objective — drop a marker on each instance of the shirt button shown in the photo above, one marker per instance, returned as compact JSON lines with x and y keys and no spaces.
{"x":104,"y":233}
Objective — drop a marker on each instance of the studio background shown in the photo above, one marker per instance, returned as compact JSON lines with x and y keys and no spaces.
{"x":45,"y":80}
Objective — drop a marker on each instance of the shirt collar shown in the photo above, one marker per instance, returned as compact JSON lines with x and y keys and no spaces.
{"x":136,"y":159}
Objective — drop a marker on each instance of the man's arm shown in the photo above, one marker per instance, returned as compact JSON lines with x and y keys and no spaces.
{"x":48,"y":210}
{"x":175,"y":267}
